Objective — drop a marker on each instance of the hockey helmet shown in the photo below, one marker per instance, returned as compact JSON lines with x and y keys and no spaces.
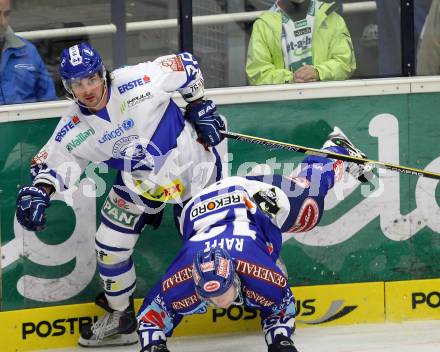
{"x":213,"y":272}
{"x":78,"y":62}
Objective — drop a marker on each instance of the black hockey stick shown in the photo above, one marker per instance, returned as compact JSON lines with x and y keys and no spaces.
{"x":306,"y":150}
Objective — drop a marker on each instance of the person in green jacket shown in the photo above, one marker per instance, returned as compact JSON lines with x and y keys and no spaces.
{"x":299,"y":41}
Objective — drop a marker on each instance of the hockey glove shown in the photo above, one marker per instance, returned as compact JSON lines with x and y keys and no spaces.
{"x":162,"y":347}
{"x":31,"y":205}
{"x":282,"y":343}
{"x":207,"y":122}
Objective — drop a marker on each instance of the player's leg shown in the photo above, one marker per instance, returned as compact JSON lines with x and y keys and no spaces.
{"x":122,"y":220}
{"x":337,"y":138}
{"x":327,"y":171}
{"x":306,"y":192}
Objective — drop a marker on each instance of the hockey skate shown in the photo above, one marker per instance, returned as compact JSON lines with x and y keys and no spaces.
{"x":363,"y":173}
{"x":115,"y":328}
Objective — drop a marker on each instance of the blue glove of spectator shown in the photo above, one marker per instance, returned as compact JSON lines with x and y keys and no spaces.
{"x":206,"y":121}
{"x":31,"y":204}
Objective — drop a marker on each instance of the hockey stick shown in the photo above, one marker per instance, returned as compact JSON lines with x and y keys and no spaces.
{"x":306,"y":150}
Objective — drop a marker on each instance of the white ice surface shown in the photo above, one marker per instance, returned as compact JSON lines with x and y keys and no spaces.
{"x":419,"y":336}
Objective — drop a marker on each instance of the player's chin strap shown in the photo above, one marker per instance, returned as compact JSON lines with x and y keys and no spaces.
{"x":328,"y":154}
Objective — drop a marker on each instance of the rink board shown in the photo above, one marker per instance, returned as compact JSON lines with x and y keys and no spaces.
{"x":322,"y":305}
{"x":413,"y":300}
{"x":391,"y":235}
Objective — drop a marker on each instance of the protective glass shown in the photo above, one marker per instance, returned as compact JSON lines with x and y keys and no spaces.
{"x":80,"y":85}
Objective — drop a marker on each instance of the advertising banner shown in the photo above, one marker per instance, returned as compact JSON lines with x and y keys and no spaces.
{"x":413,"y":300}
{"x":326,"y":305}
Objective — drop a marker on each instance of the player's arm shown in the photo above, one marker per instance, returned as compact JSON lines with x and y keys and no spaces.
{"x":278,"y":323}
{"x":52,"y":169}
{"x":156,"y":321}
{"x":184,"y":75}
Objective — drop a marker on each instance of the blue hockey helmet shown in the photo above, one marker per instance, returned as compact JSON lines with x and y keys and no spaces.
{"x":80,"y":61}
{"x":213,"y":272}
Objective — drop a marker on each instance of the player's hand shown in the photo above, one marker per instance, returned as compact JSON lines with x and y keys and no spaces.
{"x":207,"y":122}
{"x":156,"y":348}
{"x":31,"y":205}
{"x":282,"y":343}
{"x":306,"y":74}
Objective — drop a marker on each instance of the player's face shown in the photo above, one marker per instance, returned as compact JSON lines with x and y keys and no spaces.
{"x":226,"y":299}
{"x":89,"y":91}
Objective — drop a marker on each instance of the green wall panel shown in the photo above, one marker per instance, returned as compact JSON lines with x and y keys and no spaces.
{"x":390,"y":235}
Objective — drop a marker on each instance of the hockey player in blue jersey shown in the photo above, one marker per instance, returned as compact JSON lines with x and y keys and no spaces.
{"x":128,"y":121}
{"x":232,"y":240}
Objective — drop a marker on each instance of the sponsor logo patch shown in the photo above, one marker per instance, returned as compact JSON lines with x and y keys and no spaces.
{"x":215,"y":203}
{"x":75,"y":56}
{"x":208,"y":266}
{"x":123,"y":127}
{"x":123,"y":88}
{"x":307,"y":218}
{"x":79,"y":139}
{"x":269,"y":246}
{"x":267,"y":201}
{"x":117,"y":209}
{"x":299,"y":24}
{"x":302,"y":31}
{"x":260,"y":300}
{"x":196,"y":276}
{"x":173,"y":190}
{"x":172,"y":64}
{"x":66,"y":128}
{"x":211,"y":286}
{"x":261,"y":273}
{"x":185,"y":302}
{"x":223,"y":268}
{"x":135,"y":101}
{"x":130,"y":148}
{"x":40,"y":158}
{"x":177,"y":278}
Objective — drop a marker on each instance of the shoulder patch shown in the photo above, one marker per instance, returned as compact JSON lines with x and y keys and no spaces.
{"x":171,"y":64}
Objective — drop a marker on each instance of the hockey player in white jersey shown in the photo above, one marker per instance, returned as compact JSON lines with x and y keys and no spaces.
{"x":127,"y":120}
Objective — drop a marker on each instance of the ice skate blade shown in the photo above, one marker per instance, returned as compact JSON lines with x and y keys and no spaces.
{"x":115,"y":340}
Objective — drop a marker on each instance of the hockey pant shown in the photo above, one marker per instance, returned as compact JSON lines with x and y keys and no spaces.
{"x":123,"y":217}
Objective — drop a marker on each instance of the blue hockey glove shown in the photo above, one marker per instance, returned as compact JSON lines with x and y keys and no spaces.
{"x":282,"y":343}
{"x":206,"y":121}
{"x":31,"y":205}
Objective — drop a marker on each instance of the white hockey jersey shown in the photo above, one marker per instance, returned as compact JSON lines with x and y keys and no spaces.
{"x":141,"y":132}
